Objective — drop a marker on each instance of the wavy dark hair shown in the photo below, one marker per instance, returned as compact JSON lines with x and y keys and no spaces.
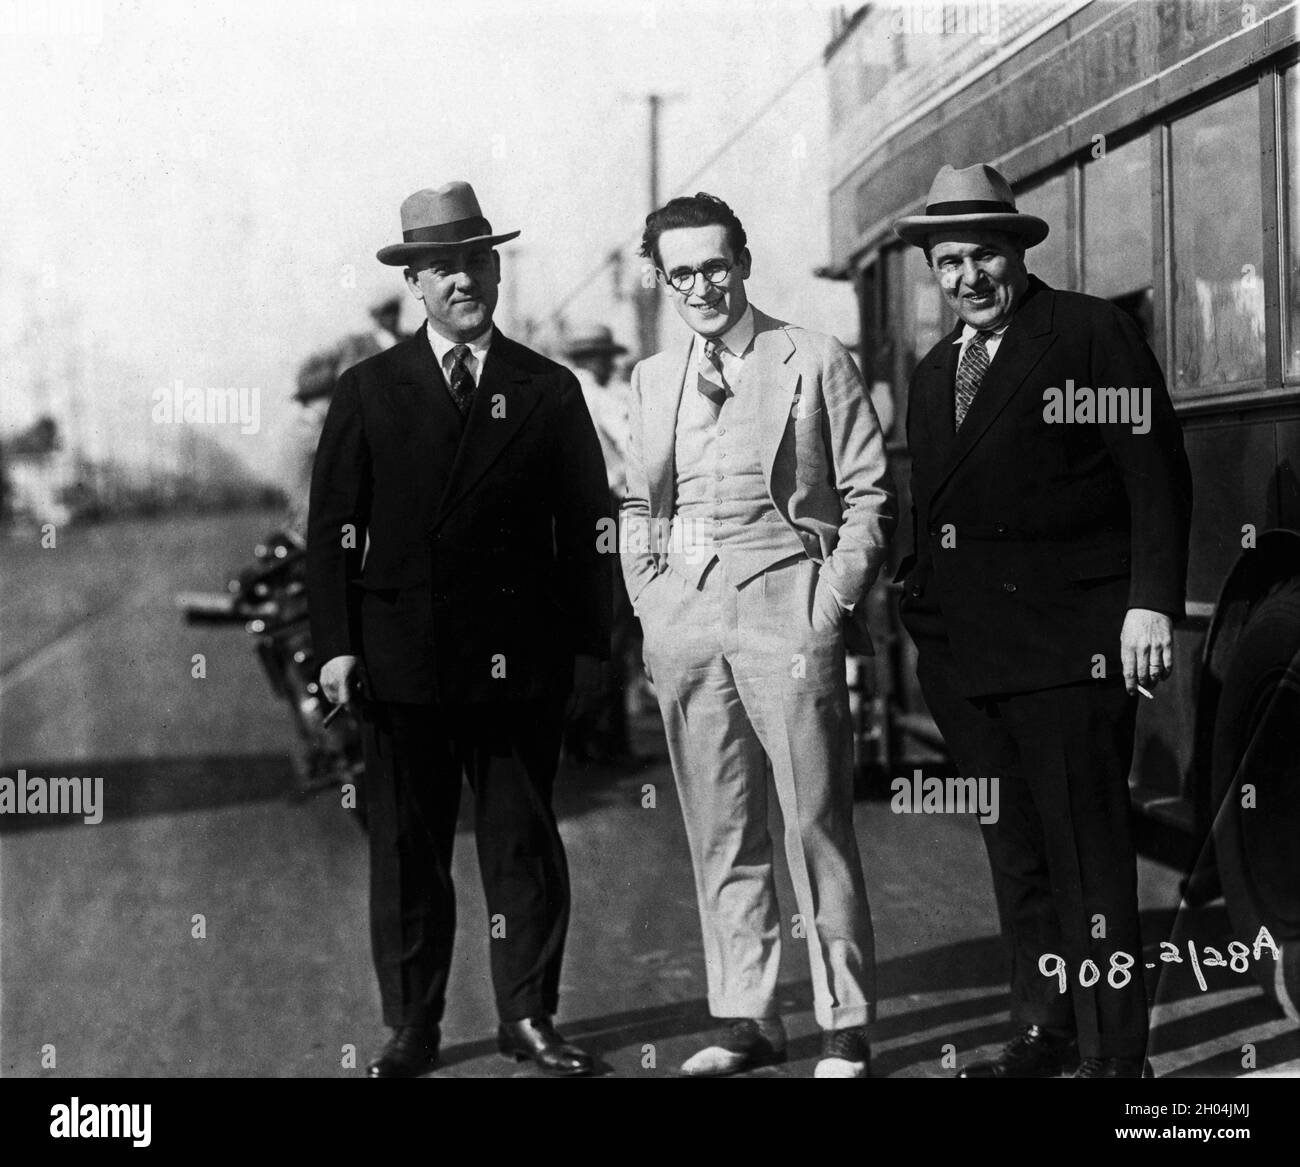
{"x":697,"y":210}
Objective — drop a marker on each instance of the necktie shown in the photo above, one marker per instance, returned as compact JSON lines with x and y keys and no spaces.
{"x":714,"y":394}
{"x":461,"y":383}
{"x":970,"y":375}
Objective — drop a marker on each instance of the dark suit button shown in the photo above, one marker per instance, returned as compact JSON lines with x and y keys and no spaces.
{"x":934,"y":528}
{"x":1124,"y":560}
{"x":1009,"y":587}
{"x":916,"y":591}
{"x":999,"y":528}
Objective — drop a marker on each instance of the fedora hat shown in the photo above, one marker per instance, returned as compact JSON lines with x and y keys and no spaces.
{"x":596,"y":338}
{"x":438,"y":220}
{"x":977,"y":198}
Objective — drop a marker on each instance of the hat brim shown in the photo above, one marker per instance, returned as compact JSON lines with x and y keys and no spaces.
{"x":917,"y":229}
{"x":399,"y":254}
{"x":586,"y":350}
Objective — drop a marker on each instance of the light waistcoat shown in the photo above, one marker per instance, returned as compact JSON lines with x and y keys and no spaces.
{"x":722,"y":509}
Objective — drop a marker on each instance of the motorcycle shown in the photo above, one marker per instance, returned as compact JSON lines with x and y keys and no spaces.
{"x":269,"y":598}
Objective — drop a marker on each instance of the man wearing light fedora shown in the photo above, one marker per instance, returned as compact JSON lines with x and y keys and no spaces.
{"x":455,"y":583}
{"x":1047,"y":566}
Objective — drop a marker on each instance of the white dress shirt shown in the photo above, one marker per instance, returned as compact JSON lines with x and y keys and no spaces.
{"x":478,"y":350}
{"x":991,"y":343}
{"x":733,"y":345}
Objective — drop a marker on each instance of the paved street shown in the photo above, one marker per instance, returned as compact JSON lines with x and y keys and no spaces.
{"x":98,"y":957}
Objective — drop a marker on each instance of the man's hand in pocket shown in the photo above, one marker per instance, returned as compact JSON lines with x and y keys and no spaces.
{"x":827,"y":614}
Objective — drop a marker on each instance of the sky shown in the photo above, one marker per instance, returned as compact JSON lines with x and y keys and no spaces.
{"x":195,"y":192}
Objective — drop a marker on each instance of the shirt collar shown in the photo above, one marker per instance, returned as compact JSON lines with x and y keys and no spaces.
{"x":737,"y":338}
{"x":967,"y":332}
{"x":441,"y":346}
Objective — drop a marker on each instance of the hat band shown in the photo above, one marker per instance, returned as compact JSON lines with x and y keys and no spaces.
{"x":453,"y":232}
{"x":972,"y":207}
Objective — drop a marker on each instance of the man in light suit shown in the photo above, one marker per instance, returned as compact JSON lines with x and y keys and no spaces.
{"x":757,"y":513}
{"x":1048,"y":561}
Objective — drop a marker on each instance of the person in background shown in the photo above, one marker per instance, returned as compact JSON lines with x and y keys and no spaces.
{"x":386,"y":331}
{"x":602,"y":735}
{"x":317,"y":376}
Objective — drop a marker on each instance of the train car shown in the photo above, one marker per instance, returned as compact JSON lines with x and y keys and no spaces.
{"x":1160,"y":140}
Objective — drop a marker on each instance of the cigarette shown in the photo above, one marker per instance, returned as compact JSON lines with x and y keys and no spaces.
{"x":1145,"y":693}
{"x":333,"y":713}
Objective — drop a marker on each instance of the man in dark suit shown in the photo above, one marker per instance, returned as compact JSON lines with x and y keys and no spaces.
{"x":455,"y":579}
{"x":1051,"y":502}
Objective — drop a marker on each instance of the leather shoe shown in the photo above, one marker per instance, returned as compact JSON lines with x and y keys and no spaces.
{"x":410,"y":1052}
{"x":846,"y":1053}
{"x":1114,"y":1068}
{"x":536,"y":1038}
{"x":1035,"y":1053}
{"x":747,"y":1044}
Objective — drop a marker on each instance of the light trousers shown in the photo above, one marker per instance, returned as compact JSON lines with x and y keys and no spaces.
{"x":750,"y":678}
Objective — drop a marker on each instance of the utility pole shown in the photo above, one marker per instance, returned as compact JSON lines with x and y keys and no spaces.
{"x":647,"y":298}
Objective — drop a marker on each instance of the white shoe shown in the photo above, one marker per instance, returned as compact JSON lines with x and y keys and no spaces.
{"x":749,"y":1044}
{"x":840,"y":1068}
{"x":846,"y":1053}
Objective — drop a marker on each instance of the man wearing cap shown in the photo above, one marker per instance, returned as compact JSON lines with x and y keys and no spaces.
{"x":455,"y":583}
{"x":315,"y":383}
{"x":591,"y":352}
{"x":758,"y":509}
{"x":1048,"y":564}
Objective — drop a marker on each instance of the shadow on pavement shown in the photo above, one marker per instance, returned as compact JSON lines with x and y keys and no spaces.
{"x":138,"y":787}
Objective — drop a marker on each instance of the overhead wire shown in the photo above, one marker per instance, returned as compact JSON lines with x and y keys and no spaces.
{"x":612,"y":253}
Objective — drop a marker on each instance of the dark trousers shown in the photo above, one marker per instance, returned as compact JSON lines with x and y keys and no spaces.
{"x":602,"y":732}
{"x":1061,"y":851}
{"x":415,"y":758}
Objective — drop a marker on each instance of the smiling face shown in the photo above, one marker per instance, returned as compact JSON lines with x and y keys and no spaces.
{"x":707,"y":309}
{"x":982,"y":275}
{"x":459,"y":289}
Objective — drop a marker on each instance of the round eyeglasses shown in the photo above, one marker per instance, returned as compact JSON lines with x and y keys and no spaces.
{"x":715,"y":272}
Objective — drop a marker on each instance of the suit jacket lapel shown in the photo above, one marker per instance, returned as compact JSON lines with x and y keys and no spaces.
{"x":941,"y":404}
{"x":1023,"y":345}
{"x":419,"y":403}
{"x":411,"y":396}
{"x":503,"y":400}
{"x":660,"y":403}
{"x":769,"y":374}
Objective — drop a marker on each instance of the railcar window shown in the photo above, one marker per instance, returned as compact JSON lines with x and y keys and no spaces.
{"x":1218,"y":284}
{"x":1291,"y":203}
{"x":1049,"y":261}
{"x":1117,"y":259}
{"x":927,"y":317}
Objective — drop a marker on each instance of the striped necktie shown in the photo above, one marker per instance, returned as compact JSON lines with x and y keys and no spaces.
{"x":970,"y":374}
{"x":461,"y":383}
{"x":714,"y":394}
